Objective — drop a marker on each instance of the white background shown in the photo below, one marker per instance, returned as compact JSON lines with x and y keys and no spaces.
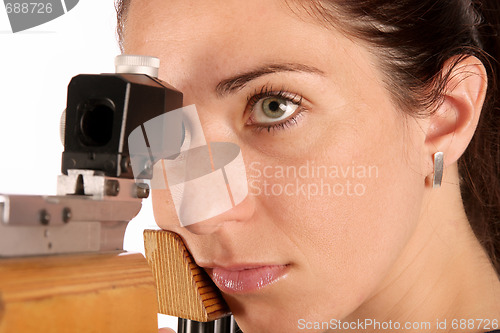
{"x":35,"y":68}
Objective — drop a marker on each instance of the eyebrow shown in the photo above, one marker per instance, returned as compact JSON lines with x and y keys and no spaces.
{"x":239,"y":81}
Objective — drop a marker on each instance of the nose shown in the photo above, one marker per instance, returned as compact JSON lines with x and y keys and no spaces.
{"x":209,"y":186}
{"x":239,"y":213}
{"x":206,"y":188}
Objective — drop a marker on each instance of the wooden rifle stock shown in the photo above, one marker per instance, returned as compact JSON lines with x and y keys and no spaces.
{"x":107,"y":292}
{"x":111,"y":292}
{"x":184,"y":289}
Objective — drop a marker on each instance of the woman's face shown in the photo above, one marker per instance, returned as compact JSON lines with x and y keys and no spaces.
{"x":335,"y":172}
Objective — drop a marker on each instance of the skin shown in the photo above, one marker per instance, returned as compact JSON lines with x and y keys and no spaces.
{"x":166,"y":330}
{"x":402,"y":251}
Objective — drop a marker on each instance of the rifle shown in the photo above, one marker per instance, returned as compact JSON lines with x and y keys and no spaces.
{"x":62,"y":264}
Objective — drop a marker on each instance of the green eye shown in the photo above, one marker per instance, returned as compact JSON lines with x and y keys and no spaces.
{"x":273,"y":109}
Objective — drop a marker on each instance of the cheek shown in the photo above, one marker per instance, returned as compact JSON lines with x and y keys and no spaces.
{"x":352,"y":206}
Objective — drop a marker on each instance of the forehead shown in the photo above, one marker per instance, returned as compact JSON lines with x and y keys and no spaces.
{"x":204,"y":41}
{"x":178,"y":19}
{"x":212,"y":28}
{"x":229,"y":24}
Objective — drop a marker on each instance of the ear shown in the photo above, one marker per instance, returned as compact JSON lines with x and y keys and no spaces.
{"x":451,"y":127}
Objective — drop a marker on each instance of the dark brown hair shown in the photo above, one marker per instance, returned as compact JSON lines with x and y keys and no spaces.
{"x":413,"y":39}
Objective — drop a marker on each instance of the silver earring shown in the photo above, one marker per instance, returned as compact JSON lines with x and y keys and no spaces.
{"x":438,"y":169}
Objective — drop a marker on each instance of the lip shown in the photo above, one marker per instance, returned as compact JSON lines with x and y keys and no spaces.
{"x":246,"y":278}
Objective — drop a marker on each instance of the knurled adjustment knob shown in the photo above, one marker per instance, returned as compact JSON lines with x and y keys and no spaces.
{"x":137,"y":64}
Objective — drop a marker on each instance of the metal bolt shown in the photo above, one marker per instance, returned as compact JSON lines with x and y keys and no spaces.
{"x":44,"y":217}
{"x":142,"y":191}
{"x":66,"y":215}
{"x":112,"y":187}
{"x":125,"y":164}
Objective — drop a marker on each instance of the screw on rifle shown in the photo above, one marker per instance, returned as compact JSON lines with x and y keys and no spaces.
{"x":112,"y":187}
{"x":66,"y":215}
{"x":125,"y":164}
{"x":142,"y":191}
{"x":44,"y":217}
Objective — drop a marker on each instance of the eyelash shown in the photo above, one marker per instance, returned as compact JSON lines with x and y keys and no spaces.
{"x":267,"y":91}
